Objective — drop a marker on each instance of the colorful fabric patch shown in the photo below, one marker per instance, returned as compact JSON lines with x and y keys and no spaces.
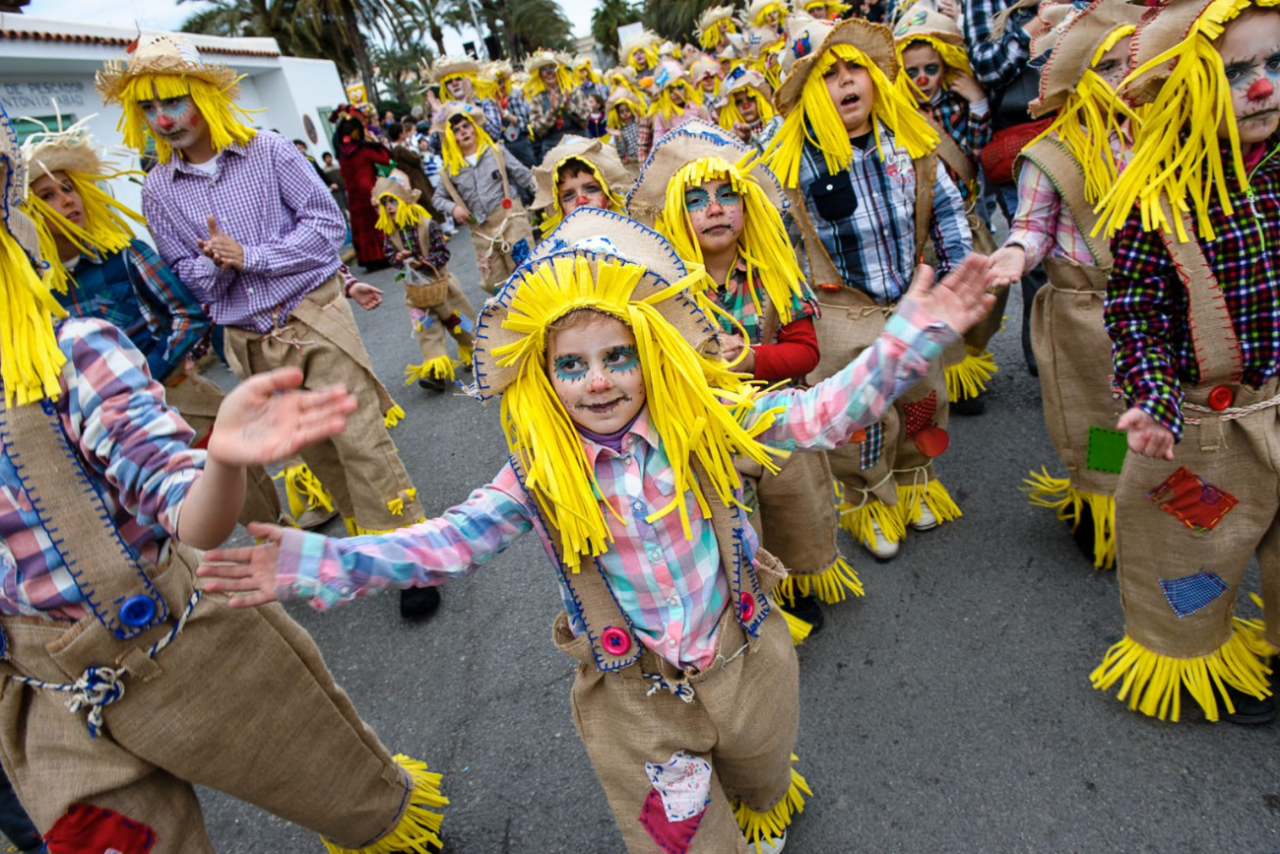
{"x":520,"y":252}
{"x":872,"y":446}
{"x":1199,"y":504}
{"x":1107,"y":450}
{"x":1193,"y":593}
{"x":919,"y":415}
{"x":672,"y":837}
{"x":684,"y":782}
{"x":85,"y":828}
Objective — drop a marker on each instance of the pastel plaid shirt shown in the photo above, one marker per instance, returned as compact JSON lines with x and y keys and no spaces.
{"x":130,"y":444}
{"x":865,"y":217}
{"x":672,"y":589}
{"x":1146,"y":309}
{"x":268,"y":197}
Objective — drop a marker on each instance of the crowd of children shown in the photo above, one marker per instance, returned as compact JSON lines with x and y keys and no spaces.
{"x":747,"y":285}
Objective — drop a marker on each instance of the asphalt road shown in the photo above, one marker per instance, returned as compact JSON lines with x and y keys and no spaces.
{"x":948,"y":710}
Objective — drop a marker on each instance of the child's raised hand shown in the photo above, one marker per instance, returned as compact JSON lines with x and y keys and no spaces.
{"x":961,"y":299}
{"x":248,"y":574}
{"x":366,"y":295}
{"x":267,"y":418}
{"x":1006,"y":264}
{"x":966,"y":87}
{"x":1146,"y":435}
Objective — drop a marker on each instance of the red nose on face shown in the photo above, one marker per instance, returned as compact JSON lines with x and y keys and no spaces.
{"x":921,"y":81}
{"x":1261,"y":90}
{"x":164,"y":123}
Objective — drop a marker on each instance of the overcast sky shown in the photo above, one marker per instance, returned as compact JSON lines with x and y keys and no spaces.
{"x":168,"y":15}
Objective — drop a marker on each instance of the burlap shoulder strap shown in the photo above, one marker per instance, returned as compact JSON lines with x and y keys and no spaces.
{"x":452,"y":189}
{"x":951,"y":153}
{"x":1068,"y":179}
{"x":61,"y":491}
{"x":600,"y":612}
{"x":1212,"y":333}
{"x":926,"y":175}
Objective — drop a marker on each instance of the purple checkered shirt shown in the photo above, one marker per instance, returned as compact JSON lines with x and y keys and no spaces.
{"x":269,"y":198}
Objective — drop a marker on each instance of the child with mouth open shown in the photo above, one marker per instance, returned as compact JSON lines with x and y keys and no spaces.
{"x":623,"y":425}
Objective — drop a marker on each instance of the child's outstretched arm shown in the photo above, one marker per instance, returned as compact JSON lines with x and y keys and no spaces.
{"x":292,"y":564}
{"x":930,"y":317}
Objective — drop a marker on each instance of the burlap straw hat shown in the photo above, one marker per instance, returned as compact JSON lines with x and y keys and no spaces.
{"x":922,"y":21}
{"x":13,"y":172}
{"x":597,"y":235}
{"x":1077,"y":40}
{"x":692,"y":141}
{"x":702,"y":67}
{"x":758,"y":7}
{"x":646,"y":39}
{"x":68,"y":150}
{"x":394,"y":188}
{"x":622,"y":95}
{"x":625,"y":70}
{"x":447,"y":66}
{"x":494,"y":67}
{"x":808,"y":38}
{"x":603,"y":157}
{"x":539,"y":59}
{"x":168,"y":53}
{"x":747,"y":80}
{"x":1161,"y":27}
{"x":714,"y":15}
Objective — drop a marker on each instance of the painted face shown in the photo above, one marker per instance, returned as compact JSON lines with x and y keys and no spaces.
{"x":708,"y":83}
{"x":175,"y":120}
{"x":639,"y":60}
{"x":820,"y":13}
{"x":465,"y":133}
{"x":854,"y":95}
{"x":1250,"y":49}
{"x":746,"y":107}
{"x":595,"y":371}
{"x":391,"y":204}
{"x":715,"y":212}
{"x":457,"y":87}
{"x":624,"y":113}
{"x":59,"y":193}
{"x":547,"y":73}
{"x":677,"y":95}
{"x":771,"y":19}
{"x":1113,"y":66}
{"x":581,"y":191}
{"x":923,"y":65}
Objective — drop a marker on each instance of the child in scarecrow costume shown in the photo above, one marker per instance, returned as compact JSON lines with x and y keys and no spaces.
{"x":697,"y":192}
{"x":460,"y":82}
{"x":588,"y":79}
{"x":748,"y":109}
{"x":245,"y":223}
{"x":824,"y":10}
{"x":115,"y":277}
{"x":579,"y":173}
{"x":415,"y":243}
{"x":99,"y":481}
{"x":1063,"y":174}
{"x":674,"y":103}
{"x":557,"y":104}
{"x":936,"y":77}
{"x":704,"y":76}
{"x":623,"y":426}
{"x":640,"y":53}
{"x":715,"y":25}
{"x":475,"y":187}
{"x":624,"y":109}
{"x":868,"y":196}
{"x":624,"y":76}
{"x":768,"y":13}
{"x":1191,"y":310}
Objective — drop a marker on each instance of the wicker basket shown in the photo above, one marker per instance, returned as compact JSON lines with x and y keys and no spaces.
{"x":426,"y":290}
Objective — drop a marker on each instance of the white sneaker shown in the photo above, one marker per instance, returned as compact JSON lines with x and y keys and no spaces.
{"x":882,"y":548}
{"x":769,"y":846}
{"x":927,"y":521}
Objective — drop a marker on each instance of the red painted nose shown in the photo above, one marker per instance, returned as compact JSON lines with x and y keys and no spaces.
{"x":1261,"y":90}
{"x":165,"y":123}
{"x":920,"y":81}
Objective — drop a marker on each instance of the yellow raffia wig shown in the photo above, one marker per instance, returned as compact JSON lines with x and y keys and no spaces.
{"x":730,"y":116}
{"x":612,"y":201}
{"x":763,"y":245}
{"x":1085,"y":122}
{"x":637,"y":111}
{"x":480,"y":87}
{"x":453,"y":159}
{"x":953,"y":57}
{"x":226,"y":119}
{"x":667,"y":108}
{"x":780,"y":8}
{"x":1176,"y":150}
{"x":536,"y":87}
{"x":407,"y":214}
{"x":650,"y":53}
{"x":30,"y":359}
{"x":817,"y":111}
{"x":714,"y":35}
{"x":695,"y":402}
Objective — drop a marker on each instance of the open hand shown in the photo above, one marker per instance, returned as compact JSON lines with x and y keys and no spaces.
{"x":1147,"y":436}
{"x":366,"y":295}
{"x":961,"y":299}
{"x":267,"y":418}
{"x":966,"y":87}
{"x":248,"y":574}
{"x":223,"y":249}
{"x":1006,"y":265}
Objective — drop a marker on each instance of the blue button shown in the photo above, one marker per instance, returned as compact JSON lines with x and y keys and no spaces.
{"x":137,"y":611}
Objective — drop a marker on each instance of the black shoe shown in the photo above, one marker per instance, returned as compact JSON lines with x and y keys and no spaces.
{"x":431,"y":384}
{"x":968,"y":406}
{"x":418,"y":603}
{"x":375,"y":266}
{"x":1250,"y":711}
{"x":1083,"y":533}
{"x":806,"y":608}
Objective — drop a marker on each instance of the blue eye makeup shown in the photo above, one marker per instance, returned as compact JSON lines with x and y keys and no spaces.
{"x":570,"y":368}
{"x":696,"y":199}
{"x":622,"y":360}
{"x":727,"y":196}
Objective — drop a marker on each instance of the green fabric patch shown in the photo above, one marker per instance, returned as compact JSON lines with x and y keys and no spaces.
{"x":1107,"y":449}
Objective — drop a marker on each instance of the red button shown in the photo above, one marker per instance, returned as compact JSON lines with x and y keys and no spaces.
{"x":932,"y":441}
{"x":1221,"y":398}
{"x":506,"y":204}
{"x":746,"y":607}
{"x":615,"y":641}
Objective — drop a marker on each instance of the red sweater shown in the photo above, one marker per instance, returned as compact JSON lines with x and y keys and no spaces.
{"x":795,"y":354}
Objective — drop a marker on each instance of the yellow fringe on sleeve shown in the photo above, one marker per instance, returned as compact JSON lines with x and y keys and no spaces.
{"x":418,"y":830}
{"x":831,"y":585}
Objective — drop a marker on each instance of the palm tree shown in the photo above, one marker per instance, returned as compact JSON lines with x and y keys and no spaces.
{"x":422,"y":17}
{"x":606,"y":19}
{"x":676,"y":20}
{"x":532,"y":24}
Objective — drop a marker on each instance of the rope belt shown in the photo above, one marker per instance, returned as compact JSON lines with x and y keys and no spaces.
{"x":683,"y":690}
{"x":99,"y":687}
{"x":1232,"y":413}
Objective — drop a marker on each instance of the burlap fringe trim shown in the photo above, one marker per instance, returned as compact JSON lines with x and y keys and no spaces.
{"x":439,"y":368}
{"x":798,"y":629}
{"x":831,"y":585}
{"x":419,"y":828}
{"x":968,"y":378}
{"x":760,"y":827}
{"x":1057,"y":494}
{"x":1153,"y":683}
{"x":304,"y":491}
{"x":932,"y":494}
{"x":858,"y":521}
{"x":394,"y":416}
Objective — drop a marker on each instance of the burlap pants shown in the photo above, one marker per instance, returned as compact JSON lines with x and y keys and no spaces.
{"x":742,"y":719}
{"x":241,"y":701}
{"x":360,"y":467}
{"x":197,"y":399}
{"x":496,"y":240}
{"x":1196,"y":532}
{"x":432,"y":326}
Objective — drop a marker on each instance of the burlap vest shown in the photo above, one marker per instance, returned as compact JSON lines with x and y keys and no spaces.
{"x":614,"y":644}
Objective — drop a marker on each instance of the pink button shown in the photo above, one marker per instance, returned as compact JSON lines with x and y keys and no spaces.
{"x":615,"y":641}
{"x":746,"y":607}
